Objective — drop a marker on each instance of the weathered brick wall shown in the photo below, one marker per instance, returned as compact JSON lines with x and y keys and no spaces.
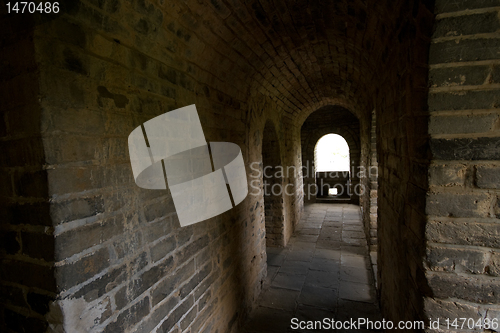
{"x":327,"y":120}
{"x":273,"y":186}
{"x":370,"y":197}
{"x":464,"y":177}
{"x":27,"y":282}
{"x":122,"y":261}
{"x":403,"y":154}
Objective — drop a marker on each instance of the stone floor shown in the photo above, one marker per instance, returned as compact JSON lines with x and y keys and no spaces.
{"x":324,"y":272}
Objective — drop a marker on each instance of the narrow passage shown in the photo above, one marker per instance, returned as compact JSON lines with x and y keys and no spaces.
{"x":324,"y":272}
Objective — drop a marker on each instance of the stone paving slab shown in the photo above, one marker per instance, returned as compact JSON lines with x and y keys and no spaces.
{"x":266,"y":320}
{"x":306,"y":231}
{"x":307,"y":312}
{"x":350,"y":249}
{"x":327,"y":254}
{"x":325,"y":265}
{"x":295,"y":267}
{"x":353,"y":260}
{"x":324,"y":272}
{"x":278,"y":298}
{"x":275,"y":259}
{"x":289,"y":281}
{"x":301,"y":255}
{"x":356,"y":292}
{"x":322,"y":279}
{"x":355,"y":274}
{"x":325,"y":298}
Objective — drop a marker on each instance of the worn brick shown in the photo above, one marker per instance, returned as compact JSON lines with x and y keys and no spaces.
{"x":162,"y":248}
{"x":458,"y":76}
{"x":464,"y":233}
{"x":71,"y":180}
{"x":170,"y":283}
{"x":138,"y":285}
{"x":72,"y":274}
{"x":444,"y":310}
{"x":100,"y":286}
{"x":493,"y":267}
{"x":158,"y":314}
{"x":482,"y":290}
{"x":71,"y":121}
{"x":204,"y":285}
{"x":77,"y":209}
{"x":495,"y":74}
{"x":488,"y":177}
{"x":203,"y":315}
{"x":467,"y":25}
{"x":188,"y":319}
{"x":159,"y":209}
{"x":129,"y":317}
{"x":158,"y":229}
{"x":464,"y":50}
{"x":464,"y":124}
{"x":128,"y":245}
{"x":78,"y":239}
{"x":176,"y":314}
{"x":443,"y":6}
{"x":457,"y":205}
{"x":466,"y":149}
{"x":456,"y":259}
{"x":447,"y":175}
{"x":481,"y":99}
{"x":74,"y":148}
{"x":204,"y":300}
{"x":189,"y":250}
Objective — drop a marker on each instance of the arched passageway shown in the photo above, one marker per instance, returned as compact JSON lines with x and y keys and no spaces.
{"x":83,"y":247}
{"x":340,"y":121}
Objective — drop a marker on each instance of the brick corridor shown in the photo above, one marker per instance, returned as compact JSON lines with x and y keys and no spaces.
{"x":324,"y":272}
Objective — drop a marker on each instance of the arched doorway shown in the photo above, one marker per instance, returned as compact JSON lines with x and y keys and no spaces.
{"x":331,"y":159}
{"x":321,"y":123}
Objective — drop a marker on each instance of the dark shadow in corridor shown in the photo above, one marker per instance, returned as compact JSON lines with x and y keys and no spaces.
{"x":272,"y":183}
{"x":324,"y":272}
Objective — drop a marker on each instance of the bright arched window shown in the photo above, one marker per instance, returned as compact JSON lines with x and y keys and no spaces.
{"x":331,"y":154}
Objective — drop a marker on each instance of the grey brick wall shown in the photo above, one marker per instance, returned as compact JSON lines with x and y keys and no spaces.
{"x":27,"y":282}
{"x":461,"y":232}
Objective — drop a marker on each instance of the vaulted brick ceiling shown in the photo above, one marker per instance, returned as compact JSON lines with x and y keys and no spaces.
{"x":300,"y":53}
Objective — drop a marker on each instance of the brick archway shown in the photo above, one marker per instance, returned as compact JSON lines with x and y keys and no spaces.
{"x":344,"y":124}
